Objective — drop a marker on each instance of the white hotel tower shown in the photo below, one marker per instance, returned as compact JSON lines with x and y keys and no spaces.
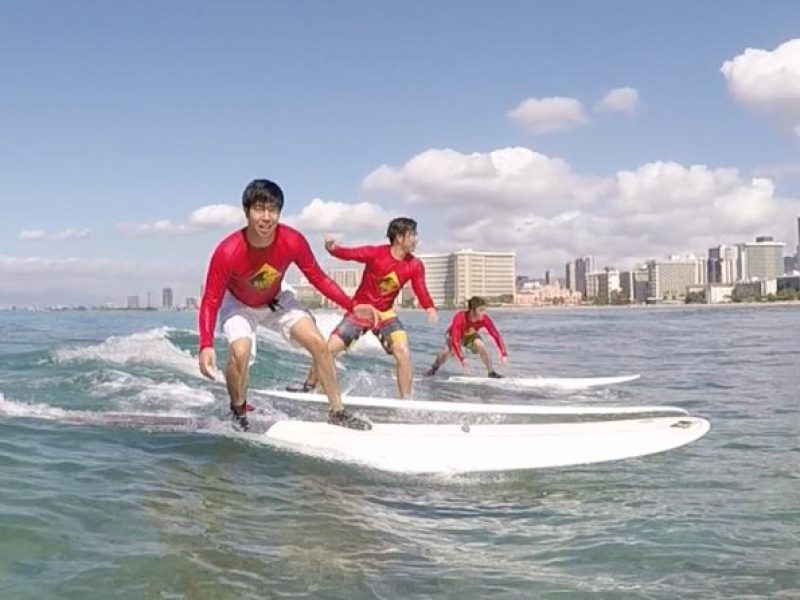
{"x":761,"y":260}
{"x":455,"y":277}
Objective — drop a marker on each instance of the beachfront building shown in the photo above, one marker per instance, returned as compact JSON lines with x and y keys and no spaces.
{"x":167,"y":298}
{"x":348,"y":280}
{"x":718,"y":293}
{"x":760,"y":260}
{"x":535,"y":294}
{"x":455,"y":277}
{"x":721,"y":264}
{"x":789,"y":282}
{"x":569,"y":279}
{"x":439,"y":276}
{"x":668,"y":279}
{"x":602,"y":285}
{"x":634,"y":285}
{"x":797,"y":255}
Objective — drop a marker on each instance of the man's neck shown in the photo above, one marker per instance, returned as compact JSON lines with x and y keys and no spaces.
{"x":397,"y":252}
{"x":259,"y":241}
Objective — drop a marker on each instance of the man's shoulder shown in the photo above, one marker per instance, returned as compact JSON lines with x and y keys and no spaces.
{"x":231,"y":242}
{"x":289,"y":234}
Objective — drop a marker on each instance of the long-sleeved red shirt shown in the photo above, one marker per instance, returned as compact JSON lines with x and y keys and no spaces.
{"x":461,"y":327}
{"x":384,"y":276}
{"x":253,"y":275}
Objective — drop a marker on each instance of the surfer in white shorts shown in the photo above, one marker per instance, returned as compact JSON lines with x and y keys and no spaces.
{"x":243,"y":286}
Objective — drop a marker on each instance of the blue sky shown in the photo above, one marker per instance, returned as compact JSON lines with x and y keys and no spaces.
{"x":119,"y":120}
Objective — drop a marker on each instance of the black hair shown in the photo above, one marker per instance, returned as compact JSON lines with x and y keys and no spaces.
{"x":399,"y":227}
{"x":263,"y":190}
{"x":475,"y":302}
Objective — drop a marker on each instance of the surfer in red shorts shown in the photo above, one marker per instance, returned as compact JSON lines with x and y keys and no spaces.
{"x":387,"y":268}
{"x":244,"y":287}
{"x":464,"y":331}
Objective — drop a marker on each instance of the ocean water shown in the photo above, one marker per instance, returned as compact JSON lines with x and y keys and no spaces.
{"x":98,"y":511}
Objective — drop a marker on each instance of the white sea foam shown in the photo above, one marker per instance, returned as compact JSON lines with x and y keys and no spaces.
{"x":151,"y":347}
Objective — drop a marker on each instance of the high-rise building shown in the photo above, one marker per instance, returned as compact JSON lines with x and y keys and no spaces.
{"x":602,"y":284}
{"x":166,"y":298}
{"x":548,"y":277}
{"x":453,"y":278}
{"x":633,"y":285}
{"x":760,"y":260}
{"x":797,"y":255}
{"x":583,"y":266}
{"x":569,"y":279}
{"x":439,"y":277}
{"x":668,"y":279}
{"x":721,"y":264}
{"x":347,"y":278}
{"x":133,"y":301}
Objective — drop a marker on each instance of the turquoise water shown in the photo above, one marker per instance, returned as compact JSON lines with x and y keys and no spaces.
{"x":96,"y":511}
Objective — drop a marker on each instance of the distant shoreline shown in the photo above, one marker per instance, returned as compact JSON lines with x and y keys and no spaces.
{"x":498,"y":307}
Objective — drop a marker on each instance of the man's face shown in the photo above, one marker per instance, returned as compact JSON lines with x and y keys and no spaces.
{"x":262,"y":217}
{"x":477,"y":313}
{"x":408,"y":241}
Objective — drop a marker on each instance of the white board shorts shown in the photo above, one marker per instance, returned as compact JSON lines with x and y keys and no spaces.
{"x":239,"y":320}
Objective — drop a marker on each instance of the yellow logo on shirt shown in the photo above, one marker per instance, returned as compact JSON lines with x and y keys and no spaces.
{"x":265,"y":277}
{"x":389,"y":283}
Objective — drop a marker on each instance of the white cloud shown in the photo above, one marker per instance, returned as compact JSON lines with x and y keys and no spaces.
{"x":505,"y":178}
{"x":58,"y":236}
{"x":768,"y":81}
{"x":151,"y":228}
{"x":70,"y":234}
{"x":520,"y":200}
{"x":337,"y":217}
{"x":624,"y":100}
{"x":91,"y":280}
{"x":212,"y":216}
{"x":218,"y":215}
{"x":547,"y":115}
{"x":32,"y":234}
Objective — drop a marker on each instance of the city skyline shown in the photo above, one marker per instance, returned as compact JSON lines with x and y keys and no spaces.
{"x":331,"y":266}
{"x":555,"y":137}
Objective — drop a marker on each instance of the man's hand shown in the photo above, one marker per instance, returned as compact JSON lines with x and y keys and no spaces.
{"x":433,"y":316}
{"x":330,"y":243}
{"x":465,"y":367}
{"x":208,"y":362}
{"x":504,"y":360}
{"x":366,"y":315}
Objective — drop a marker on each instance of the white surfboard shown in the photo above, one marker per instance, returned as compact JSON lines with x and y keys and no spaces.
{"x":561,"y":383}
{"x":473,"y":407}
{"x":403,"y":448}
{"x":411,"y":448}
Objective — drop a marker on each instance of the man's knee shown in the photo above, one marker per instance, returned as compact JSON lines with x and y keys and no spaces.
{"x":401,"y":353}
{"x":239,"y":353}
{"x":317,"y":345}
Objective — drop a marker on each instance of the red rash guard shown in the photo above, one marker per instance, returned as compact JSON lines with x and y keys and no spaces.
{"x":253,"y":275}
{"x":461,"y":327}
{"x":384,"y":276}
